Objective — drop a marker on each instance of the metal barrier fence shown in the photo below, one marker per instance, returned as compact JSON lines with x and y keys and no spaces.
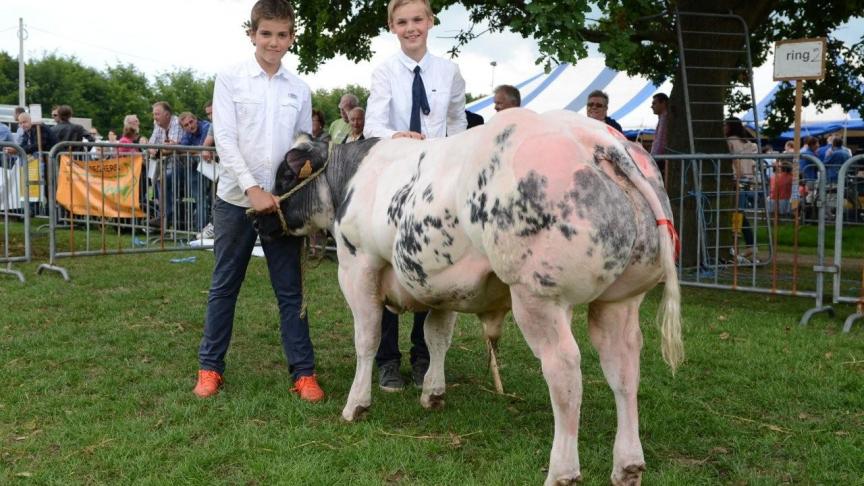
{"x":15,"y":186}
{"x":731,"y":227}
{"x":850,"y":189}
{"x":113,"y":198}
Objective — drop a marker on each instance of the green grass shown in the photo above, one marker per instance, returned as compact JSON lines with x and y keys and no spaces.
{"x":853,"y":239}
{"x":97,"y":376}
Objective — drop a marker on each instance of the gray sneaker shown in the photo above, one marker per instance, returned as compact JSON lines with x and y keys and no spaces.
{"x":207,"y":233}
{"x":418,"y":372}
{"x":389,"y":378}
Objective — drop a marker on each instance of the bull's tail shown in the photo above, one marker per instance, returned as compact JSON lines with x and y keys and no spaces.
{"x":669,"y":311}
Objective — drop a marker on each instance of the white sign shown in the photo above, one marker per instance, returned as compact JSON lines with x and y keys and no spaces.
{"x":36,"y":113}
{"x":799,"y":59}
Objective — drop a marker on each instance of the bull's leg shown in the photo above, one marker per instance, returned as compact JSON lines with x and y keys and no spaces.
{"x":546,"y":326}
{"x":359,"y":280}
{"x":438,"y":330}
{"x":614,"y":331}
{"x":492,"y":322}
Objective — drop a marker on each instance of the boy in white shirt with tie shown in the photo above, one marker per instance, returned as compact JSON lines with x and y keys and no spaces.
{"x":416,"y":95}
{"x":258,"y":109}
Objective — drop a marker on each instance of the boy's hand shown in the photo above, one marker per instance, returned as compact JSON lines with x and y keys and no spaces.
{"x":414,"y":135}
{"x":262,"y":201}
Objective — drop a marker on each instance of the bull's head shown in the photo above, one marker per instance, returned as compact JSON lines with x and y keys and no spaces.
{"x":308,"y":207}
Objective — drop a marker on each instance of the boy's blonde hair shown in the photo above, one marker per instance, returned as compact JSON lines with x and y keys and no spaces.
{"x":394,"y":4}
{"x":270,"y":10}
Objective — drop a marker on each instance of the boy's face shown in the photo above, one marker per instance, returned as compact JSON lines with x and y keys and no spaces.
{"x":272,"y":40}
{"x":411,"y":25}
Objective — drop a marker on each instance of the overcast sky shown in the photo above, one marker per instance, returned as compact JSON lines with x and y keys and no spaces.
{"x":164,"y":35}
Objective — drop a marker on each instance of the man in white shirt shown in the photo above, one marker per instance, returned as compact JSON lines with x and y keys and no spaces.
{"x":259,"y":107}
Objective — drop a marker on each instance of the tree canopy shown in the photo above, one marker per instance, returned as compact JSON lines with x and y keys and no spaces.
{"x":104,"y":96}
{"x":636,"y":36}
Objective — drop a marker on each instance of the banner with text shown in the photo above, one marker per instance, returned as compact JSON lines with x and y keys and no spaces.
{"x":103,"y":188}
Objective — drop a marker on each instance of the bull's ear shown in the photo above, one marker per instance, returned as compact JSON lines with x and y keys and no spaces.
{"x":305,"y":158}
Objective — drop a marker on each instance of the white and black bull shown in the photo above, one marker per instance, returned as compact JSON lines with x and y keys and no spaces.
{"x":534,"y":213}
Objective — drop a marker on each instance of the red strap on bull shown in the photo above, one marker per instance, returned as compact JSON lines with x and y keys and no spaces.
{"x":672,"y":233}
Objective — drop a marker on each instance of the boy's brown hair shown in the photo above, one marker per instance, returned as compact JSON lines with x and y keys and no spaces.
{"x":394,"y":4}
{"x":270,"y":10}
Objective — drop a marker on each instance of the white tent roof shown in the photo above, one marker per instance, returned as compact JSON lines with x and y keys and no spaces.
{"x":567,"y":87}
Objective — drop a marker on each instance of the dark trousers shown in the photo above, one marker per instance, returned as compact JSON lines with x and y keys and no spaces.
{"x":234,"y":240}
{"x":388,"y":350}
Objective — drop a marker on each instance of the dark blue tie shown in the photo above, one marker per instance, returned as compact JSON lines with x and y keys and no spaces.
{"x":418,"y":101}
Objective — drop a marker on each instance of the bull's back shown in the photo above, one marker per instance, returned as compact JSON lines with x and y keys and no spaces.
{"x":548,"y":214}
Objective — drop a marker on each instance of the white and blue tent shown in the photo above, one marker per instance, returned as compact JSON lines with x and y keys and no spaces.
{"x":567,"y":87}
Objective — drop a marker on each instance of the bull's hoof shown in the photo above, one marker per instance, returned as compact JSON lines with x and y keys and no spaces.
{"x":629,"y":476}
{"x":432,"y":402}
{"x":353,"y":415}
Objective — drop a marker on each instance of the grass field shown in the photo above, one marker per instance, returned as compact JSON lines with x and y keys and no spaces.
{"x":97,"y":376}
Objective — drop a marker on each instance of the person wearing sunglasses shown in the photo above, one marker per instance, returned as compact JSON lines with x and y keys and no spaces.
{"x":598,"y":106}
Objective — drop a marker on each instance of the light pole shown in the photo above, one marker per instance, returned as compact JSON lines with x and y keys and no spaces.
{"x":493,"y":64}
{"x":22,"y":34}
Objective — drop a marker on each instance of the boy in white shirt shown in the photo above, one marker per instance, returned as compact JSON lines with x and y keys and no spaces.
{"x":258,"y":109}
{"x":416,"y":95}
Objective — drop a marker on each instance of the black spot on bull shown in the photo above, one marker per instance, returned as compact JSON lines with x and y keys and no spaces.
{"x":602,"y":202}
{"x":479,"y":198}
{"x":400,"y":199}
{"x":477,"y":205}
{"x":501,"y":138}
{"x":528,"y":212}
{"x":568,"y":231}
{"x":344,"y":206}
{"x":427,"y":194}
{"x":351,"y":248}
{"x":544,"y":279}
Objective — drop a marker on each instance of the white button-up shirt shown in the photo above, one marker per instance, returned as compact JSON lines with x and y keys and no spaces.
{"x":388,"y":109}
{"x":256,"y":119}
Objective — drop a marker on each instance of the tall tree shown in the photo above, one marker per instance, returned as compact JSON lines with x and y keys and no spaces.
{"x":56,"y":80}
{"x":8,"y":79}
{"x":184,"y":90}
{"x":128,"y":92}
{"x":636,"y":36}
{"x":328,"y":100}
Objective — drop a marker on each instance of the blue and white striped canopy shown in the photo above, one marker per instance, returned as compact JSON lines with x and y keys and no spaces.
{"x":567,"y":87}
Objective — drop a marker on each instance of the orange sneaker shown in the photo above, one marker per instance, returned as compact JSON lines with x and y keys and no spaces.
{"x":209,"y":383}
{"x":308,"y":389}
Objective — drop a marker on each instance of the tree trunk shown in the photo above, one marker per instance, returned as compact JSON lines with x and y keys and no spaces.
{"x":707,"y":115}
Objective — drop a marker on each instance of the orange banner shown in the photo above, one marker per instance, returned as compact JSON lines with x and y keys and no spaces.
{"x":104,"y":188}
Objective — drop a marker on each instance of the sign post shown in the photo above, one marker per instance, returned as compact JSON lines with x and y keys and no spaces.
{"x":798,"y":59}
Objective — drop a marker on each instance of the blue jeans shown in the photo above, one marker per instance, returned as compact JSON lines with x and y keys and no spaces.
{"x":388,"y":350}
{"x":234,"y":240}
